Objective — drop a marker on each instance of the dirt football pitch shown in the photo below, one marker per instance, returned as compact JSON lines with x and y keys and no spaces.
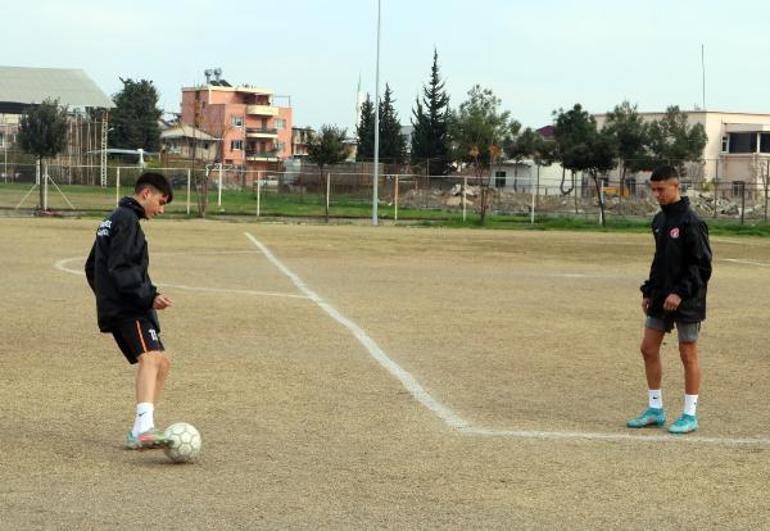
{"x":350,"y":377}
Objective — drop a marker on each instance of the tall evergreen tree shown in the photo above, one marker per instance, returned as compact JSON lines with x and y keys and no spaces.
{"x":135,"y":117}
{"x":365,"y":131}
{"x":430,"y":142}
{"x":392,"y":142}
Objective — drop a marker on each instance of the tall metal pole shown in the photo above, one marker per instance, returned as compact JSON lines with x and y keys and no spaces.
{"x":703,"y":70}
{"x":375,"y":176}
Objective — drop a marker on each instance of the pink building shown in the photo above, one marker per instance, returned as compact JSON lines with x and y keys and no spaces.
{"x":253,"y":133}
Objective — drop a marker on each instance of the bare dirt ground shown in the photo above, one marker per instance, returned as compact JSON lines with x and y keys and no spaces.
{"x":303,"y":428}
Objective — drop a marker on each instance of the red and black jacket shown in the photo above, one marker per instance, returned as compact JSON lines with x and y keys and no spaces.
{"x":682,"y":263}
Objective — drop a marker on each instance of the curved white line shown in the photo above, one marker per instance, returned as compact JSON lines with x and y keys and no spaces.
{"x":448,"y":415}
{"x":61,"y":266}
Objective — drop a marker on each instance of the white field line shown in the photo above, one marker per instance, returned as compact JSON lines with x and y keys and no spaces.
{"x":455,"y":421}
{"x":61,"y":265}
{"x":745,"y":262}
{"x":406,"y":379}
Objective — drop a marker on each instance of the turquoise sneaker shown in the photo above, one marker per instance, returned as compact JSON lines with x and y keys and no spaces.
{"x":649,"y":417}
{"x":147,"y":441}
{"x":684,"y":424}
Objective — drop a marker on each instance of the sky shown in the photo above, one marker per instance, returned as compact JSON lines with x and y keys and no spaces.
{"x":535,"y":55}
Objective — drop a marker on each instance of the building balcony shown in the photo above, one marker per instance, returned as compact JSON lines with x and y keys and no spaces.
{"x":258,"y":156}
{"x":262,"y":110}
{"x":261,"y":132}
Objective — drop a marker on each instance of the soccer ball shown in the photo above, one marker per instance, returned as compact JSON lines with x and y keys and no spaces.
{"x":185,"y":442}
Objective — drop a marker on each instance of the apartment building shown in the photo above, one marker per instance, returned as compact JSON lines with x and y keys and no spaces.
{"x":253,"y":132}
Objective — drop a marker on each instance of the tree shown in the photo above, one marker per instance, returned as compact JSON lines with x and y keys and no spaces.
{"x":524,"y":145}
{"x":43,"y":133}
{"x":477,"y":130}
{"x":365,"y":131}
{"x":630,"y":133}
{"x":430,"y":139}
{"x":135,"y":117}
{"x":672,"y":141}
{"x":327,"y":147}
{"x":392,"y":142}
{"x":581,"y":147}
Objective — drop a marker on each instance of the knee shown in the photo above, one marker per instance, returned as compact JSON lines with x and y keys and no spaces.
{"x":157,"y":359}
{"x":648,"y":351}
{"x":688,"y":354}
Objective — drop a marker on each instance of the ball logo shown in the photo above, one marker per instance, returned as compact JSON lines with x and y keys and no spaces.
{"x":674,"y":233}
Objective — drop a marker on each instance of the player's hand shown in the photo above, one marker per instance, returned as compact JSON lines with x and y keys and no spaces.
{"x":645,"y":305}
{"x":161,"y":302}
{"x":672,"y":302}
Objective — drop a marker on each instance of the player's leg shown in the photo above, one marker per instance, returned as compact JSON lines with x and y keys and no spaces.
{"x":688,"y":353}
{"x":141,"y":345}
{"x":654,"y":331}
{"x":160,"y":381}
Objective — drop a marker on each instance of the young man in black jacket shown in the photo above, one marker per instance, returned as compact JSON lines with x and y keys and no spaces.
{"x":127,"y":300}
{"x":674,"y":294}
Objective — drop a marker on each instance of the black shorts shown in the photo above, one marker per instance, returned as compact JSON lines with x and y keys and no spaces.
{"x":137,"y":337}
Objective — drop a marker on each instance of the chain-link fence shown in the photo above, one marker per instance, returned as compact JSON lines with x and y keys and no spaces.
{"x":338,"y":192}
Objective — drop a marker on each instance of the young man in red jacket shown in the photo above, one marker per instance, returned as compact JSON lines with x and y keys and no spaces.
{"x":674,"y":294}
{"x":127,"y":300}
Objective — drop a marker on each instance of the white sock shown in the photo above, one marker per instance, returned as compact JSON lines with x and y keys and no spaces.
{"x":144,"y":418}
{"x":656,"y":398}
{"x":690,"y":404}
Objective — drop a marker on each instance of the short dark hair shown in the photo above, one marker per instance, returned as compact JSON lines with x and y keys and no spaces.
{"x":664,"y":173}
{"x":157,"y":181}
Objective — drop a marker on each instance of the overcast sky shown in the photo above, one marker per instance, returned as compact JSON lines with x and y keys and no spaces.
{"x":536,"y":55}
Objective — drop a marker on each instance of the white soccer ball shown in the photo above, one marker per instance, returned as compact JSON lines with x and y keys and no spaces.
{"x":185,"y":442}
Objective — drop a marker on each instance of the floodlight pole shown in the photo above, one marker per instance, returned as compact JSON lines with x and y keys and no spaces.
{"x":375,"y":176}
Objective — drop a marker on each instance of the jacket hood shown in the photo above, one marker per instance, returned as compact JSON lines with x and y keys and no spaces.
{"x":132,"y":204}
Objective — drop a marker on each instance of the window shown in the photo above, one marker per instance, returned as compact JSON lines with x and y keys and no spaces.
{"x":500,"y":179}
{"x":280,"y":123}
{"x":279,"y":146}
{"x":237,"y":121}
{"x":742,"y":142}
{"x":725,"y":144}
{"x":764,"y":143}
{"x":2,"y":139}
{"x":236,"y":145}
{"x":738,"y":188}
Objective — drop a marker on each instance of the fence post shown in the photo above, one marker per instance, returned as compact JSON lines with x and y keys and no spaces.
{"x":189,"y":179}
{"x":219,"y":188}
{"x":465,"y":192}
{"x":259,"y":191}
{"x":532,"y":206}
{"x":716,"y":188}
{"x":117,"y":186}
{"x":44,"y":178}
{"x":395,"y":199}
{"x":767,"y":183}
{"x":743,"y":199}
{"x":328,"y":188}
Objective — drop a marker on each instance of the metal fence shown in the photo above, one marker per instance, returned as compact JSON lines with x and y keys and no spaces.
{"x":336,"y":192}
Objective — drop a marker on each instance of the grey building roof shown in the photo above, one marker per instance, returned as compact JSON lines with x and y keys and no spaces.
{"x":22,"y":86}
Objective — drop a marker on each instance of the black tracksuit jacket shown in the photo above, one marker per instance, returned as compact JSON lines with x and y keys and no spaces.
{"x":116,"y":269}
{"x":682,"y":263}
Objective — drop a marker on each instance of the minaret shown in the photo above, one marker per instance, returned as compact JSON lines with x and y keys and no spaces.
{"x":359,"y":104}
